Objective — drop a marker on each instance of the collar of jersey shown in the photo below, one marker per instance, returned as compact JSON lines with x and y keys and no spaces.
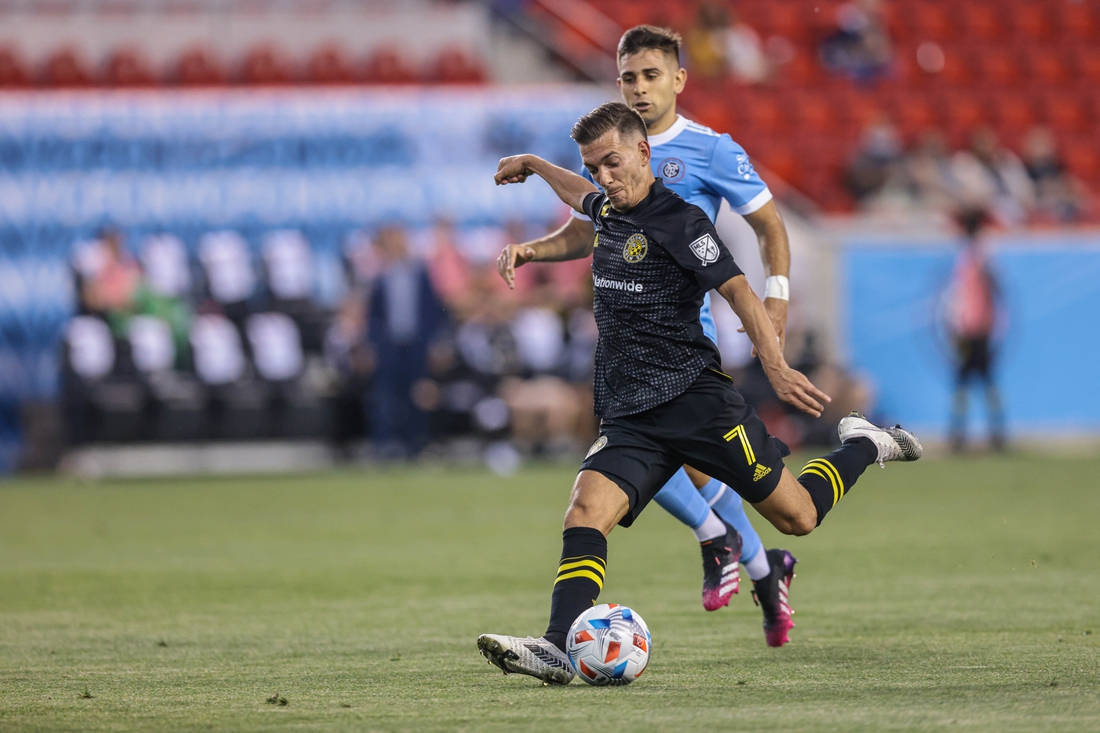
{"x":668,"y":135}
{"x":655,"y":190}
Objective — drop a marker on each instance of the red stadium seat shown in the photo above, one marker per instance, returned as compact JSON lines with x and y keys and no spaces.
{"x":66,"y":68}
{"x":1079,"y":21}
{"x":200,"y":67}
{"x":914,"y":114}
{"x":980,"y":21}
{"x":996,"y":66}
{"x":127,"y":67}
{"x":812,"y":114}
{"x":456,"y":66}
{"x":961,"y":113}
{"x":330,"y":64}
{"x":264,"y":64}
{"x":387,"y":66}
{"x":767,"y":114}
{"x":956,"y":68}
{"x":931,"y":22}
{"x":1047,"y":67}
{"x":1013,"y":113}
{"x":1032,"y":22}
{"x":1082,"y":157}
{"x":1066,"y":113}
{"x":1087,"y":65}
{"x":13,"y":72}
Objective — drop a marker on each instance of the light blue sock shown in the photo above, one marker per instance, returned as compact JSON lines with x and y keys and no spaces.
{"x":727,"y":504}
{"x":680,"y":498}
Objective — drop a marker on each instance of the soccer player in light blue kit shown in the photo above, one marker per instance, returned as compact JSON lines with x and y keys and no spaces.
{"x":703,"y":167}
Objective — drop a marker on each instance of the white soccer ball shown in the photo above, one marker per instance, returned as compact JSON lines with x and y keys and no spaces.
{"x":609,"y":645}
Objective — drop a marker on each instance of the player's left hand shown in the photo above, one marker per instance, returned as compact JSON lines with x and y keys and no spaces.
{"x":794,"y":388}
{"x":512,"y":169}
{"x":777,"y":314}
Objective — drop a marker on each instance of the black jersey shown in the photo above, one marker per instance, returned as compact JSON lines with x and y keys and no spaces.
{"x":651,"y":267}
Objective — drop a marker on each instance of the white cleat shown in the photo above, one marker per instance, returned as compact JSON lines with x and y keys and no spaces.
{"x":535,"y":657}
{"x":894,"y":444}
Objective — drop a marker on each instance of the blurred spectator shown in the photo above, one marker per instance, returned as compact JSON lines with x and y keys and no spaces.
{"x":972,"y":317}
{"x":404,"y":314}
{"x":111,"y":280}
{"x":927,"y":171}
{"x":449,"y":268}
{"x":990,"y":177}
{"x":876,"y":160}
{"x":719,"y":44}
{"x":1059,"y":196}
{"x":860,"y":46}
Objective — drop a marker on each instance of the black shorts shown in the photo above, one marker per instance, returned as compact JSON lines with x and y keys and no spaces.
{"x":709,"y":427}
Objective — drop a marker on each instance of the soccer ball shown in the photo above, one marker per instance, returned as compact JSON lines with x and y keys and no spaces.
{"x":609,"y":645}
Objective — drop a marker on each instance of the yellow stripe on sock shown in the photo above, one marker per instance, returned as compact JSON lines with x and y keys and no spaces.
{"x":581,"y":574}
{"x":581,"y":564}
{"x":832,"y":471}
{"x":823,"y":474}
{"x":600,"y":560}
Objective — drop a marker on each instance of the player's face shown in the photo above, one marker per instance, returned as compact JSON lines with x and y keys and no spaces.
{"x":620,"y":165}
{"x":649,"y":82}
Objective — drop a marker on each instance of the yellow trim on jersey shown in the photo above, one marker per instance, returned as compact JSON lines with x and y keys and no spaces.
{"x":739,"y":432}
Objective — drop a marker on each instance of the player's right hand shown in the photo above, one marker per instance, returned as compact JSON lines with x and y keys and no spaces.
{"x":794,"y":388}
{"x":512,"y":169}
{"x":512,"y":257}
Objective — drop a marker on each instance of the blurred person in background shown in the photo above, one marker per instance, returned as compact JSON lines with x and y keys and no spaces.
{"x":403,"y":315}
{"x":719,"y":44}
{"x":111,"y":281}
{"x":989,"y":176}
{"x":860,"y":47}
{"x":877,"y":160}
{"x":927,"y":171}
{"x":973,"y":304}
{"x":1059,"y":196}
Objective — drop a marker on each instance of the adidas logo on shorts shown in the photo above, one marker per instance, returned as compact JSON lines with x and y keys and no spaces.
{"x":761,"y":472}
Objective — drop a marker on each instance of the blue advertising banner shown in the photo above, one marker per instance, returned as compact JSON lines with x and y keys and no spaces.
{"x":1046,"y":344}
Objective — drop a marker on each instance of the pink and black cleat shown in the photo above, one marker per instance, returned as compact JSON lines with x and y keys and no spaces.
{"x":771,"y":594}
{"x":721,"y":569}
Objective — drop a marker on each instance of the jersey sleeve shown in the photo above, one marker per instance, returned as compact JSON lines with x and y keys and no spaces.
{"x":592,"y":204}
{"x":696,"y":246}
{"x":576,"y":214}
{"x":732,"y":177}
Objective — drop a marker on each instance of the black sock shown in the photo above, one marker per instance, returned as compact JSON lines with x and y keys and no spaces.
{"x":580,"y":580}
{"x":829,"y":478}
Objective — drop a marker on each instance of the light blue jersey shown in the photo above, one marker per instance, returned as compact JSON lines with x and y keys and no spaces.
{"x":704,"y":167}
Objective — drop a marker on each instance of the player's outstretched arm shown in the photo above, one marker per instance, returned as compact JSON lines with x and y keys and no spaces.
{"x":569,"y":187}
{"x":570,"y":242}
{"x":790,"y":385}
{"x":775,"y":253}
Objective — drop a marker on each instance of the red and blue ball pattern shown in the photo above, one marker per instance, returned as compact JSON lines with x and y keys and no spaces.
{"x":609,"y":645}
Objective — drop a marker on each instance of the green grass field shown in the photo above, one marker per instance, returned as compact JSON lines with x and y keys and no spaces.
{"x":953,"y":594}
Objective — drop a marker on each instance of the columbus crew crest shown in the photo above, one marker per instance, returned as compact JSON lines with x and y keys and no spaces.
{"x":635,"y":248}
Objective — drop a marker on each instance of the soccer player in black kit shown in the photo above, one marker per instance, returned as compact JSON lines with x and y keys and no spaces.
{"x":659,"y":390}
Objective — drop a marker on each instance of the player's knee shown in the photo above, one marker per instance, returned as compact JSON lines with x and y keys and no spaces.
{"x":802,"y":525}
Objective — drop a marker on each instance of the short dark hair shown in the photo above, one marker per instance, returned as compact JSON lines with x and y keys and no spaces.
{"x":643,"y":37}
{"x":608,"y":116}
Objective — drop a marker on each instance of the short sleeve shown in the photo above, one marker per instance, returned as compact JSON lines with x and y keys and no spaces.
{"x":700,"y":250}
{"x":732,"y":177}
{"x":576,"y":214}
{"x":592,"y":204}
